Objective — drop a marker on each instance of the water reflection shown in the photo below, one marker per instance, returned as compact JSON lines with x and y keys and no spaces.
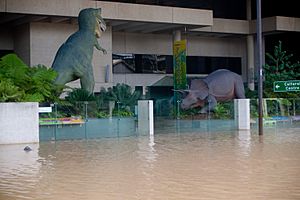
{"x":210,"y":165}
{"x":244,"y":141}
{"x":146,"y":150}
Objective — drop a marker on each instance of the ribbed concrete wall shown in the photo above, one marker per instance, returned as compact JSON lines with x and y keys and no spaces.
{"x":222,"y":47}
{"x":196,"y":46}
{"x":138,"y":79}
{"x":162,"y":44}
{"x":45,"y":39}
{"x":142,"y":43}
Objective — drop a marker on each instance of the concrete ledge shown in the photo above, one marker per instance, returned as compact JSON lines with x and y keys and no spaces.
{"x":111,"y":10}
{"x":268,"y":25}
{"x":135,"y":12}
{"x":19,"y":123}
{"x":230,"y":26}
{"x":69,"y":8}
{"x":288,"y":24}
{"x":2,"y":5}
{"x":192,"y":16}
{"x":156,"y":14}
{"x":277,"y":23}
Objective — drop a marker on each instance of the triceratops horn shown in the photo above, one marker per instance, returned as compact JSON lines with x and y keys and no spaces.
{"x":181,"y":91}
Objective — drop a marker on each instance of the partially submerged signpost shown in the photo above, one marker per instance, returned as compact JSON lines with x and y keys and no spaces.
{"x":286,"y":86}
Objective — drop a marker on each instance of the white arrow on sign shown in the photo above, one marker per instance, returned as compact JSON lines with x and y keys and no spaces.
{"x":277,"y":86}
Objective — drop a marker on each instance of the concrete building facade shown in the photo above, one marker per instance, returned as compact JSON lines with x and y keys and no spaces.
{"x":35,"y":29}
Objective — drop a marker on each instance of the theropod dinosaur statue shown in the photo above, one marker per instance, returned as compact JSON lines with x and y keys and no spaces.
{"x":73,"y":59}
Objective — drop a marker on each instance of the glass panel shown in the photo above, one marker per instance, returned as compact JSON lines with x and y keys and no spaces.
{"x":191,"y":120}
{"x":163,"y":64}
{"x":87,"y":120}
{"x":90,"y":120}
{"x":277,"y":112}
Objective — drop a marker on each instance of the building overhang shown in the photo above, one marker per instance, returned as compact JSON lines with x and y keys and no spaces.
{"x":277,"y":24}
{"x":120,"y":16}
{"x":138,"y":18}
{"x":223,"y":28}
{"x":231,"y":27}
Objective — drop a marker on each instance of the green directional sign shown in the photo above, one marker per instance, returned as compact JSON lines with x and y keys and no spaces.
{"x":286,"y":86}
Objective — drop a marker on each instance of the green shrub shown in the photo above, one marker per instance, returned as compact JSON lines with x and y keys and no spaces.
{"x":122,"y":113}
{"x":79,"y":102}
{"x":9,"y":92}
{"x":79,"y":95}
{"x":101,"y":114}
{"x":123,"y":95}
{"x":25,"y":83}
{"x":223,"y":110}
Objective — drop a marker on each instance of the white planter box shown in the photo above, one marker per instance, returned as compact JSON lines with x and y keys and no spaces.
{"x":19,"y":123}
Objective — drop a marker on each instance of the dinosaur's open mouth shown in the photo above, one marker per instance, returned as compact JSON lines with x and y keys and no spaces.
{"x":100,"y":27}
{"x":193,"y":105}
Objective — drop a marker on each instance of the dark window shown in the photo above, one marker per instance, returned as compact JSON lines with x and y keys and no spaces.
{"x":270,"y":8}
{"x":206,"y":65}
{"x":142,"y":63}
{"x":149,"y":63}
{"x":5,"y":52}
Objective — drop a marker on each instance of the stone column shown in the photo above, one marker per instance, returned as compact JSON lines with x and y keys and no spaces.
{"x":176,"y":35}
{"x":250,"y":52}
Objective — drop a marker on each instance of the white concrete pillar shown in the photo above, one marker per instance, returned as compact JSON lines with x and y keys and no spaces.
{"x":19,"y":123}
{"x":242,"y":113}
{"x":145,"y":117}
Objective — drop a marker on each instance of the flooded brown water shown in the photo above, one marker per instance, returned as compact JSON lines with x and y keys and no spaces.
{"x":212,"y":165}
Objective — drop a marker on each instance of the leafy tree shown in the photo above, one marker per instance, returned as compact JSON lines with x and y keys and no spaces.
{"x":20,"y":83}
{"x":279,"y":67}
